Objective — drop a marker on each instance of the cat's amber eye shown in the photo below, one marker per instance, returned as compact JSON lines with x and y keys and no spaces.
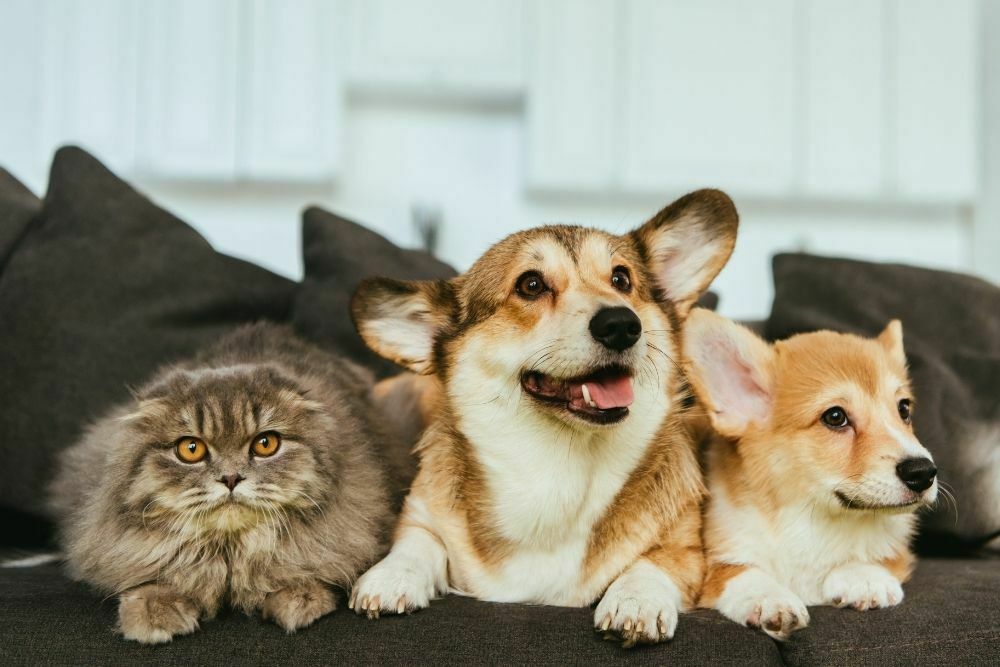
{"x":191,"y":450}
{"x":266,"y":444}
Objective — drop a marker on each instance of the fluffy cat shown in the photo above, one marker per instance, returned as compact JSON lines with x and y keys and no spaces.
{"x":253,"y":475}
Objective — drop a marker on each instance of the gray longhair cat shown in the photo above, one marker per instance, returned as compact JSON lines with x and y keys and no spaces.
{"x":254,"y":475}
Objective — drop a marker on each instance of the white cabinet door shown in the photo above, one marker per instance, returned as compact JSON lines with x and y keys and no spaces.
{"x":22,"y":35}
{"x":188,"y":95}
{"x":470,"y":48}
{"x":845,"y":110}
{"x":936,"y":106}
{"x":572,"y":100}
{"x":291,"y":111}
{"x":89,"y":85}
{"x":710,"y":94}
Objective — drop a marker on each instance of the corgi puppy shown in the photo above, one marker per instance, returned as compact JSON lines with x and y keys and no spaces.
{"x":815,"y":476}
{"x":556,"y":467}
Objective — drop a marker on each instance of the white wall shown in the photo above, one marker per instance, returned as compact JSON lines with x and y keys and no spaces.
{"x":460,"y":131}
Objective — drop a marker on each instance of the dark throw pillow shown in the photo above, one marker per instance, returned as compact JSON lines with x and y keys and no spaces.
{"x":18,"y":207}
{"x":338,"y":254}
{"x":102,"y":289}
{"x":951,"y":330}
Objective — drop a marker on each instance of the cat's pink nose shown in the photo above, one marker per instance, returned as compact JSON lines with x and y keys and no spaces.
{"x":231,"y":480}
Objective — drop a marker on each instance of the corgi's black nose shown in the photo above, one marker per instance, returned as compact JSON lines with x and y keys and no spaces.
{"x":917,"y":474}
{"x":616,"y":328}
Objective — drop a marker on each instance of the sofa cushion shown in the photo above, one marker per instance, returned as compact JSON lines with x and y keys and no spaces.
{"x":950,"y":616}
{"x":338,"y":254}
{"x":18,"y":207}
{"x":951,"y":330}
{"x":39,"y":604}
{"x":103,"y":288}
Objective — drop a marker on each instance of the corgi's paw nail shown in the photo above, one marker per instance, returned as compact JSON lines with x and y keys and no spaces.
{"x":862,"y":587}
{"x":778,"y":611}
{"x":639,"y":607}
{"x":391,"y":588}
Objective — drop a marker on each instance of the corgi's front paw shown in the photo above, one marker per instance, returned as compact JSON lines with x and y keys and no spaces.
{"x":862,"y":586}
{"x":756,"y":600}
{"x":640,"y":606}
{"x":396,"y":585}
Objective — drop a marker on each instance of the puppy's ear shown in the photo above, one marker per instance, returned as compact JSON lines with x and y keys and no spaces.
{"x":400,"y":320}
{"x":730,"y":369}
{"x":687,"y":243}
{"x":891,"y":339}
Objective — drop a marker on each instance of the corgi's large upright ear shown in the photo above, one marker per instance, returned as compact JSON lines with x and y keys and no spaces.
{"x":687,"y":243}
{"x":400,"y":320}
{"x":891,"y":339}
{"x":730,"y":369}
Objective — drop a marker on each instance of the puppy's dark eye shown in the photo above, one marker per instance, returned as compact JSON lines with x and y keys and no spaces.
{"x":904,"y":410}
{"x":621,"y":280}
{"x":835,"y":418}
{"x":530,"y":285}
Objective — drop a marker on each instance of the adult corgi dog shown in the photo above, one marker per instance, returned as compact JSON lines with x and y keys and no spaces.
{"x":815,"y":476}
{"x":556,"y":468}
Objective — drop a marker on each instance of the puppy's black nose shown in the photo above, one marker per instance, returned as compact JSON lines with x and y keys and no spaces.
{"x":616,"y":328}
{"x":917,"y":474}
{"x":231,"y":480}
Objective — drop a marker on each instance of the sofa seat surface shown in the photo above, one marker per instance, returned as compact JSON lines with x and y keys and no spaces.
{"x":951,"y":615}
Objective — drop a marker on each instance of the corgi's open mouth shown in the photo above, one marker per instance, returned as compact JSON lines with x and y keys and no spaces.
{"x":601,"y":397}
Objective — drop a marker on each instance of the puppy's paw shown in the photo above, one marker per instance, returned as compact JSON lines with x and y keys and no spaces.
{"x":640,"y":606}
{"x":298,"y":606}
{"x":396,"y":585}
{"x":756,"y":600}
{"x":862,"y":586}
{"x":155,"y":614}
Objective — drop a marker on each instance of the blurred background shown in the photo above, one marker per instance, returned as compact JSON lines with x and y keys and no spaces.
{"x":858,"y":128}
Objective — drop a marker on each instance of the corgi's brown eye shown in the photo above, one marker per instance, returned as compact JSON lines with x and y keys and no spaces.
{"x":191,"y":450}
{"x":904,"y":410}
{"x":621,"y":280}
{"x":266,"y":444}
{"x":835,"y":417}
{"x":530,"y":285}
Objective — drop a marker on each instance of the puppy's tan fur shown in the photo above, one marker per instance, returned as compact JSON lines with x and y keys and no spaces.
{"x":517,"y":500}
{"x":801,"y":513}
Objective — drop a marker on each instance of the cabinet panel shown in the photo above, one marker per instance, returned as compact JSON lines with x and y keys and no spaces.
{"x":937,"y":85}
{"x":89,"y":85}
{"x":572,"y":96}
{"x":710,"y":101}
{"x":845,"y":95}
{"x":470,"y":48}
{"x":21,"y":34}
{"x":291,"y":114}
{"x":188,"y":97}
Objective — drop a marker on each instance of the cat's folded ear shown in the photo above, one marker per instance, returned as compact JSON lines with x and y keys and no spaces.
{"x":400,"y":320}
{"x":687,"y":243}
{"x":730,"y":369}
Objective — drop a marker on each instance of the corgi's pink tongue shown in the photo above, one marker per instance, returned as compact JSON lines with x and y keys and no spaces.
{"x":609,"y":392}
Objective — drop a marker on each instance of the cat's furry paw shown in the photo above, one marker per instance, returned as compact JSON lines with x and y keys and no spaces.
{"x":862,"y":586}
{"x":154,"y":614}
{"x":298,"y":606}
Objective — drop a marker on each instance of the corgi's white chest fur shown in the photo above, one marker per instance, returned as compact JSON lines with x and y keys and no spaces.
{"x":800,"y":545}
{"x":548,"y":488}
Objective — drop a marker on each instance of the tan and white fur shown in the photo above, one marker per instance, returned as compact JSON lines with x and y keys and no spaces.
{"x":528,"y":489}
{"x":814,"y":476}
